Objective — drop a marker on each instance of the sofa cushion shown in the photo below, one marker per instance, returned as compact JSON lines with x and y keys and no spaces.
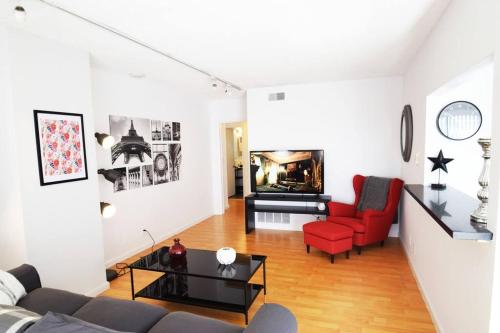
{"x":353,"y":223}
{"x":327,"y":230}
{"x":43,"y":300}
{"x":121,"y":315}
{"x":183,"y":322}
{"x":60,"y":323}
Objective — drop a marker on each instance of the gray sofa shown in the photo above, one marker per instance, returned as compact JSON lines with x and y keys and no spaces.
{"x":131,"y":316}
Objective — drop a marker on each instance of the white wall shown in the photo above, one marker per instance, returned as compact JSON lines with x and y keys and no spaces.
{"x":164,"y":209}
{"x":62,"y":228}
{"x":12,"y":240}
{"x":356,"y":123}
{"x":455,"y":276}
{"x":476,"y":87}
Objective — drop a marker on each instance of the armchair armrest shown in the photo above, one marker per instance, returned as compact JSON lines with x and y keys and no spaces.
{"x":28,"y":276}
{"x":341,"y":209}
{"x":272,"y":318}
{"x":377,"y":224}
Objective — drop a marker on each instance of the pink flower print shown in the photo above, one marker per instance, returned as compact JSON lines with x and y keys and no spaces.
{"x":69,"y":170}
{"x":55,"y":164}
{"x":68,"y":154}
{"x":76,"y":128}
{"x":65,"y":137}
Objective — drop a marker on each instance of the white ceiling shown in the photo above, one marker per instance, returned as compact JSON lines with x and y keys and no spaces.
{"x":251,"y":43}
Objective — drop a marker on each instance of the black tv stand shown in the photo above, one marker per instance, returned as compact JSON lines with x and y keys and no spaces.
{"x":251,"y":207}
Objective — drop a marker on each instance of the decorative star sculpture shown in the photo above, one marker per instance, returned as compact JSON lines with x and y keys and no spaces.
{"x":440,"y":162}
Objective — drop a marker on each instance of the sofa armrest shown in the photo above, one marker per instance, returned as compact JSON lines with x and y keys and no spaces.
{"x":28,"y":276}
{"x":341,"y":209}
{"x":272,"y":318}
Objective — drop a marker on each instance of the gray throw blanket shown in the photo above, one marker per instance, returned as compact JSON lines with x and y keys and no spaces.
{"x":374,"y":193}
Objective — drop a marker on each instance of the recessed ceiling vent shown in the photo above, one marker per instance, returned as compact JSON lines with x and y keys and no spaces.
{"x":277,"y":97}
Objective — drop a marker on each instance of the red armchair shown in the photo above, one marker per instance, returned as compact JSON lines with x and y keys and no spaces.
{"x":370,"y":226}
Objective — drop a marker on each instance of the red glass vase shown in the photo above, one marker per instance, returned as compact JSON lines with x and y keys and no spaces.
{"x":177,"y":250}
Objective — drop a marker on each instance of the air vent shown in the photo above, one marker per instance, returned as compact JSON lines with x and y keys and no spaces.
{"x":277,"y":97}
{"x":278,"y":218}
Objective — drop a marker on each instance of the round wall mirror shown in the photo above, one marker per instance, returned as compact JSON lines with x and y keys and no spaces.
{"x":406,"y":134}
{"x":459,"y":120}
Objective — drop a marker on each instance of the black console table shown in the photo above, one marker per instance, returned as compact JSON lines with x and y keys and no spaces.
{"x":451,"y":209}
{"x":251,"y":206}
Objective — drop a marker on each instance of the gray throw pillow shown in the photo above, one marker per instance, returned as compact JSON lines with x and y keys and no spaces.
{"x":60,"y":323}
{"x":15,"y":319}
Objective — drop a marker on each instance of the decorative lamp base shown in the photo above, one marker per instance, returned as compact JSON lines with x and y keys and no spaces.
{"x":438,"y":186}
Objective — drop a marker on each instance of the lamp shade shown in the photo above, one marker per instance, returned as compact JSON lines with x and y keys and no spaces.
{"x":105,"y":140}
{"x":107,"y":210}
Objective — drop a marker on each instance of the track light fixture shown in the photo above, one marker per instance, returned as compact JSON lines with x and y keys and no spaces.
{"x":228,"y":90}
{"x":105,"y":140}
{"x":136,"y":42}
{"x":20,"y":13}
{"x":107,"y":210}
{"x":214,"y":83}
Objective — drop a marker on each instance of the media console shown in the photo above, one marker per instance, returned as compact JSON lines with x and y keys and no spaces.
{"x":252,"y":206}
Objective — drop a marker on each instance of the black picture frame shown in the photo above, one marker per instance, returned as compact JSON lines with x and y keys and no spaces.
{"x":456,"y":102}
{"x":79,"y":117}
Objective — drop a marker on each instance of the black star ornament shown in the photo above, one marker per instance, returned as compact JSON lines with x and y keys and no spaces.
{"x":440,"y":162}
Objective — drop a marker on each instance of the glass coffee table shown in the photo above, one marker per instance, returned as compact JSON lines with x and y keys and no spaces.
{"x":200,"y":280}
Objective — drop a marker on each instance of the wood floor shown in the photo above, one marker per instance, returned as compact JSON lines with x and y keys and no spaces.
{"x":374,"y":292}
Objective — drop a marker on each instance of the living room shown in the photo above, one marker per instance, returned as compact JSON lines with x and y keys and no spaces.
{"x":164,"y":80}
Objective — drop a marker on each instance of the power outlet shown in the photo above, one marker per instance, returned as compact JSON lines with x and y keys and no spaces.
{"x":417,"y":158}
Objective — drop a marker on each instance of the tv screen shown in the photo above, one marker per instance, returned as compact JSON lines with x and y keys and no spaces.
{"x":287,"y":171}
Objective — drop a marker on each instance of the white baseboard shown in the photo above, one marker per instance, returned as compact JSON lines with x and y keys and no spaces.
{"x":98,"y":290}
{"x":421,"y":289}
{"x":134,"y":251}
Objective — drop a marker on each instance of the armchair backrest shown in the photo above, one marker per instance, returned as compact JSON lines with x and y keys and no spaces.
{"x":392,"y":197}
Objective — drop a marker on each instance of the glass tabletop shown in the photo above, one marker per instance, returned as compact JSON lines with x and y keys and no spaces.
{"x":201,"y":263}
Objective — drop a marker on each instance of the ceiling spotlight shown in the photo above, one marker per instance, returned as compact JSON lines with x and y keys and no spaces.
{"x":20,"y":13}
{"x":228,"y":91}
{"x":105,"y":140}
{"x":213,"y":83}
{"x":107,"y":210}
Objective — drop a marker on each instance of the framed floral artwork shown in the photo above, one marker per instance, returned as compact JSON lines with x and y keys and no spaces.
{"x":60,"y":141}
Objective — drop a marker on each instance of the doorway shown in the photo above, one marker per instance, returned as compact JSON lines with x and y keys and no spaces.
{"x":235,"y":150}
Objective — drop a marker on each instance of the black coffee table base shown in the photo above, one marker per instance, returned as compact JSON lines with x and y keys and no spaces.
{"x":222,"y":293}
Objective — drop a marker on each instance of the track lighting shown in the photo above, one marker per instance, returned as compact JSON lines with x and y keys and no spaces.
{"x":214,"y":83}
{"x":107,"y":210}
{"x":20,"y":13}
{"x":228,"y":91}
{"x":105,"y":140}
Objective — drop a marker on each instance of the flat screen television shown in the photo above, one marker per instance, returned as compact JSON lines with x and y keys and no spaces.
{"x":287,"y":171}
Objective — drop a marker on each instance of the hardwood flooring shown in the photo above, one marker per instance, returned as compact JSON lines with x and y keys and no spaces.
{"x":373,"y":292}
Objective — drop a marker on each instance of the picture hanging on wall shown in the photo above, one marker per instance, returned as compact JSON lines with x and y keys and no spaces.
{"x":156,"y":130}
{"x":147,"y":152}
{"x":175,"y":158}
{"x":160,"y":164}
{"x":134,"y":177}
{"x":147,"y":175}
{"x":176,"y":131}
{"x":166,"y":131}
{"x":60,"y":141}
{"x":133,"y":140}
{"x":120,"y":182}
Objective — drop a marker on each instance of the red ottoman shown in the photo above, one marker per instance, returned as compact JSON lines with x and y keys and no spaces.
{"x":329,"y":237}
